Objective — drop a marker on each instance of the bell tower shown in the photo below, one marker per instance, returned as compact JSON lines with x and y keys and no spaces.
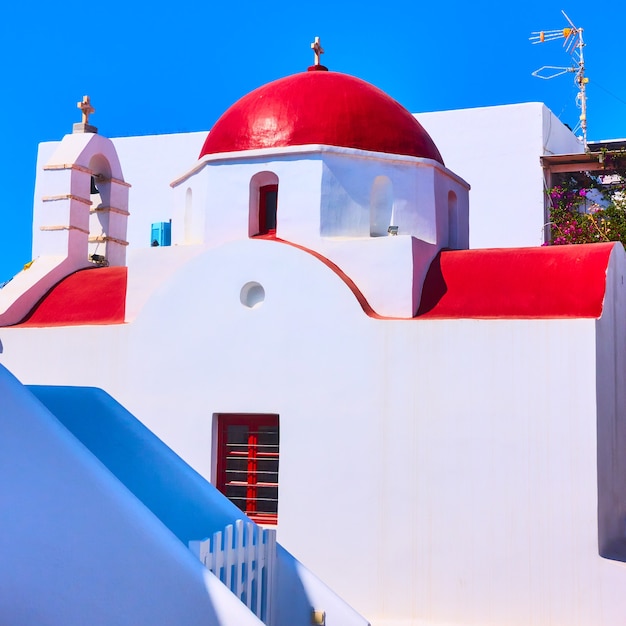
{"x":79,"y":217}
{"x":83,"y":209}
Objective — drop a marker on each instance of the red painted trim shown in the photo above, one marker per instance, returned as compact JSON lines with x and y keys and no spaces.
{"x":340,"y":273}
{"x":320,"y":107}
{"x":547,"y":282}
{"x":517,"y":283}
{"x":91,"y":296}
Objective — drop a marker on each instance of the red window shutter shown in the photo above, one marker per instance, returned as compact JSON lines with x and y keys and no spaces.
{"x":247,"y":465}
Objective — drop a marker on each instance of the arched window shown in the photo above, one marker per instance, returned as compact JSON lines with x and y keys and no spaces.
{"x":263,"y":216}
{"x":453,"y":223}
{"x":188,"y":219}
{"x":100,"y":211}
{"x":268,"y":205}
{"x":381,"y":207}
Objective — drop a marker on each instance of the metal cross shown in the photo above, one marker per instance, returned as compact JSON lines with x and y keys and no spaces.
{"x":317,"y":50}
{"x":86,"y":108}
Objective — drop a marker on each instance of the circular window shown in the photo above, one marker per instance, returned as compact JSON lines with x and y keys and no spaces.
{"x":252,"y":295}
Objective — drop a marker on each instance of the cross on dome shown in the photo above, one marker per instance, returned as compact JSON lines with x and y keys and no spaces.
{"x":316,"y":46}
{"x":86,"y":108}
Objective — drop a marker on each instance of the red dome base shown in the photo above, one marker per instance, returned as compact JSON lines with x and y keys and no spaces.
{"x":320,"y":107}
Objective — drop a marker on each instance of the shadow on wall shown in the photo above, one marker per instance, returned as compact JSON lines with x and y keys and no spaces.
{"x":101,"y":557}
{"x":435,"y":287}
{"x":184,"y":501}
{"x":178,"y":496}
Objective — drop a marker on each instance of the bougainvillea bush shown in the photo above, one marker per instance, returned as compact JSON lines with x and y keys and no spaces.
{"x":588,"y":209}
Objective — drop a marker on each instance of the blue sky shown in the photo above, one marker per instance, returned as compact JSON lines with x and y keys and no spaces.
{"x":151,"y":67}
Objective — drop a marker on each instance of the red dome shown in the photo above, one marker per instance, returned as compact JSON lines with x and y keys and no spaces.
{"x":320,"y":107}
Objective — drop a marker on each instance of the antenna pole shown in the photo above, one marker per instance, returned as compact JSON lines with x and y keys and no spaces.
{"x":573,"y":44}
{"x":582,"y":81}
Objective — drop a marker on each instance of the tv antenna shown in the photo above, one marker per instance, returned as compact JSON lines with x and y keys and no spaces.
{"x":574,"y":45}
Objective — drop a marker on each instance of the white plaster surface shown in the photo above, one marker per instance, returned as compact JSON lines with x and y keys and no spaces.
{"x":610,"y":376}
{"x":497,"y":150}
{"x":185,"y":503}
{"x":149,"y":164}
{"x":417,"y":505}
{"x":492,"y":147}
{"x":325,"y":197}
{"x":431,"y":472}
{"x":326,"y":204}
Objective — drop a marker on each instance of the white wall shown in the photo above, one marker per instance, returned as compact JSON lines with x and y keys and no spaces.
{"x":415,"y":503}
{"x":459,"y":456}
{"x":324,"y":204}
{"x":182,"y":500}
{"x":149,"y":165}
{"x":493,"y":148}
{"x":497,"y":150}
{"x":610,"y":376}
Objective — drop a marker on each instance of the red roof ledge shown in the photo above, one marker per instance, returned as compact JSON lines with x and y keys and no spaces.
{"x":523,"y":283}
{"x":90,"y":296}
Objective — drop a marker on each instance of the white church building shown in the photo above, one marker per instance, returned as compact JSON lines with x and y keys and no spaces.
{"x":306,"y":318}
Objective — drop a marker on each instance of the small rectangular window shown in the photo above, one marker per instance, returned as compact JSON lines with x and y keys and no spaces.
{"x":247,"y":463}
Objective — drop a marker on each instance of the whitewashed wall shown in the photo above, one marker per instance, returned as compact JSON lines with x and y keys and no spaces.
{"x":610,"y":377}
{"x":181,"y":499}
{"x":328,"y":203}
{"x":497,"y":150}
{"x":430,"y":471}
{"x":459,"y":455}
{"x":494,"y":148}
{"x":149,"y":164}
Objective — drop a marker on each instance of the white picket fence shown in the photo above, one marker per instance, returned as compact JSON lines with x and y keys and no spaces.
{"x":243,"y":558}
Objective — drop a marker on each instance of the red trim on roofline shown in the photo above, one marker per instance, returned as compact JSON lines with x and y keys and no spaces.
{"x":517,"y":283}
{"x":335,"y":268}
{"x":87,"y":297}
{"x":507,"y":283}
{"x":548,"y":282}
